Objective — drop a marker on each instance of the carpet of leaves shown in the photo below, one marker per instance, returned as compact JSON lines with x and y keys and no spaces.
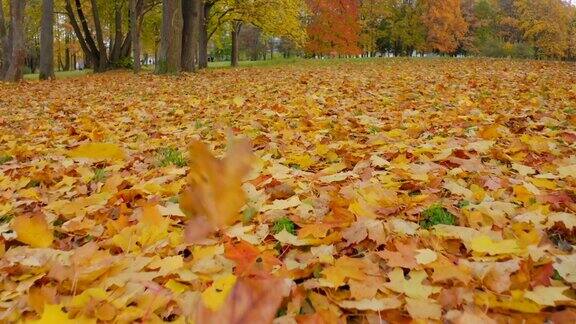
{"x":385,"y":190}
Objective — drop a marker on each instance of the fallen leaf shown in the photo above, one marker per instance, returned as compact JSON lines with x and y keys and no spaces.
{"x":215,"y":296}
{"x":548,"y":296}
{"x":215,"y":186}
{"x":97,"y":151}
{"x":375,"y":304}
{"x":33,"y":230}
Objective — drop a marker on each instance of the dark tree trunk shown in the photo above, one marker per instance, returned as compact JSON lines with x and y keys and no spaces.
{"x":88,"y":35}
{"x":203,"y":37}
{"x":126,"y":47}
{"x":190,"y":15}
{"x":118,"y":36}
{"x":16,"y":38}
{"x":47,"y":41}
{"x":103,"y":59}
{"x":60,"y":63}
{"x":67,"y":52}
{"x":4,"y":50}
{"x":136,"y":7}
{"x":170,"y":55}
{"x":86,"y":43}
{"x":236,"y":26}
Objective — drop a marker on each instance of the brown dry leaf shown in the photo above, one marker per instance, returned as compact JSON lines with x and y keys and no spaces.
{"x":251,"y":301}
{"x":214,"y":186}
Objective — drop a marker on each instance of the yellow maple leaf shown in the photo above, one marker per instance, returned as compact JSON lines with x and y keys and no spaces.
{"x":543,"y":183}
{"x":484,"y":244}
{"x":444,"y":270}
{"x":176,"y":287}
{"x":33,"y":231}
{"x":214,"y":296}
{"x":304,"y":161}
{"x":53,"y":314}
{"x":87,"y":295}
{"x":374,"y":304}
{"x":97,"y":151}
{"x":522,"y":194}
{"x":411,"y":287}
{"x":490,"y":132}
{"x":515,"y":302}
{"x":343,"y":268}
{"x":548,"y":296}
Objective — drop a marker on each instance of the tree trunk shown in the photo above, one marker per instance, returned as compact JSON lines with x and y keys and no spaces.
{"x":103,"y":59}
{"x":204,"y":20}
{"x":118,"y":37}
{"x":4,"y":53}
{"x":236,"y":26}
{"x":47,"y":41}
{"x":18,"y":51}
{"x":136,"y":7}
{"x":170,"y":56}
{"x":190,"y":15}
{"x":67,"y":52}
{"x":86,"y":42}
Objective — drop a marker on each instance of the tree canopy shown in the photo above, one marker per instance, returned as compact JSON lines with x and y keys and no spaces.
{"x":104,"y":35}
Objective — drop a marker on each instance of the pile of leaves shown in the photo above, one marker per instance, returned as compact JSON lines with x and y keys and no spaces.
{"x":388,"y":190}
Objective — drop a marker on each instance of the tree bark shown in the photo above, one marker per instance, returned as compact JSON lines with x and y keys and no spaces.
{"x":136,"y":7}
{"x":170,"y":56}
{"x":190,"y":28}
{"x":4,"y":54}
{"x":103,"y":59}
{"x":47,"y":41}
{"x":67,"y":52}
{"x":236,"y":26}
{"x":18,"y":51}
{"x":204,"y":20}
{"x":116,"y":52}
{"x":87,"y":34}
{"x":86,"y":43}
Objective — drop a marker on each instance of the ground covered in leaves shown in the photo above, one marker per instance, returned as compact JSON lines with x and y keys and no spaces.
{"x":385,"y":190}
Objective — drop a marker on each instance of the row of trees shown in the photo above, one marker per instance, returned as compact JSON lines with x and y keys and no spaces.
{"x":108,"y":34}
{"x":180,"y":35}
{"x":522,"y":28}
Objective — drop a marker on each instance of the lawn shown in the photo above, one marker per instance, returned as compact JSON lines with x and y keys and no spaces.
{"x":388,"y":188}
{"x":60,"y":74}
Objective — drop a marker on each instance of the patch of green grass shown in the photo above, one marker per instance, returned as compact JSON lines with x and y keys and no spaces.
{"x":273,"y":62}
{"x":33,"y":183}
{"x":6,"y":218}
{"x":172,"y":156}
{"x":60,"y":74}
{"x":556,"y":275}
{"x":248,"y":214}
{"x":284,"y":223}
{"x":5,"y":158}
{"x":436,"y":214}
{"x":463,"y":203}
{"x":99,"y":175}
